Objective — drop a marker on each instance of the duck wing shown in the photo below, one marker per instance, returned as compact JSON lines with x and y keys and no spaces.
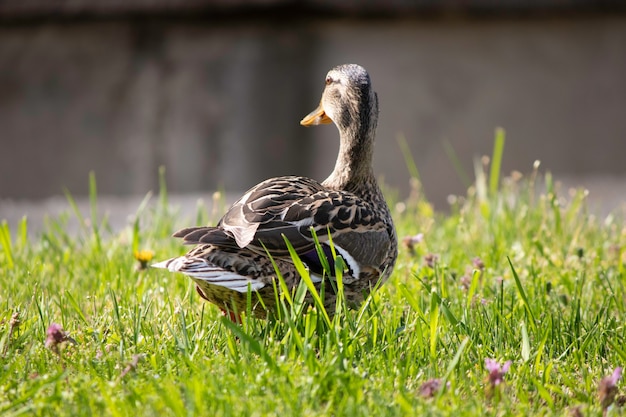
{"x":294,"y":207}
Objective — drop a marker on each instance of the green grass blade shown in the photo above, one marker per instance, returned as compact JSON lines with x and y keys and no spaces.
{"x":434,"y":325}
{"x":22,"y":232}
{"x":163,"y":197}
{"x":76,"y":307}
{"x":320,"y":251}
{"x":79,"y":216}
{"x":522,"y":293}
{"x":456,"y":359}
{"x":5,"y":243}
{"x":525,"y":343}
{"x":461,"y":173}
{"x":496,"y":161}
{"x":254,"y":345}
{"x":93,"y":205}
{"x":408,"y":157}
{"x":304,"y":275}
{"x":473,"y":287}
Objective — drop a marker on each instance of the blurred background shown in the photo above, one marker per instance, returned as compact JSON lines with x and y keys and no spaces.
{"x":214,"y":91}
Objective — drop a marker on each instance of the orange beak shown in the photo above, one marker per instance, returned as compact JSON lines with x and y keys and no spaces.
{"x":316,"y":117}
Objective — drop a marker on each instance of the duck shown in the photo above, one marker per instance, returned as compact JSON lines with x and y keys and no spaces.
{"x":346,"y":213}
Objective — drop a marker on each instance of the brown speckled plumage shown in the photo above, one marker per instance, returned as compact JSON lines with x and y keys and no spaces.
{"x":231,"y":257}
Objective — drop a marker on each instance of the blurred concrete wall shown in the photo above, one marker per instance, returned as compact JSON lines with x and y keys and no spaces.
{"x":218,"y":102}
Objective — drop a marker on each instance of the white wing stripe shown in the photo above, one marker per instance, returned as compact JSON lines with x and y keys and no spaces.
{"x":200,"y":270}
{"x":354,"y":266}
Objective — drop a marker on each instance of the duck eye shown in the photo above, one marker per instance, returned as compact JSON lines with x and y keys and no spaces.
{"x":329,"y":80}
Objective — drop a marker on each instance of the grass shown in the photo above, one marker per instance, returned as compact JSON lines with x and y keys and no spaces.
{"x":512,"y":272}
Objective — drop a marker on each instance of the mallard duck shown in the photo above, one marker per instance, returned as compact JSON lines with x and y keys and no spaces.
{"x":348,"y":208}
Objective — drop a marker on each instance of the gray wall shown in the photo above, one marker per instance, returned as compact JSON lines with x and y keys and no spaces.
{"x":218,"y":103}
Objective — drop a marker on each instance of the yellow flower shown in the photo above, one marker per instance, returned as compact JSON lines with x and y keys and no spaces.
{"x":143,"y":257}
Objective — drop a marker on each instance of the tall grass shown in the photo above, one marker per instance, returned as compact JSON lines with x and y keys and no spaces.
{"x":513,"y":272}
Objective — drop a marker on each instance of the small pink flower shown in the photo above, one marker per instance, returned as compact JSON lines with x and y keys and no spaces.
{"x":430,"y":260}
{"x":465,"y":281}
{"x":55,"y":335}
{"x":478,"y":263}
{"x":496,"y":372}
{"x":430,"y":388}
{"x":607,"y":388}
{"x":412,"y":241}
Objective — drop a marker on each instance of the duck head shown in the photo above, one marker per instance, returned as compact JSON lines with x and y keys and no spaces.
{"x":348,"y":100}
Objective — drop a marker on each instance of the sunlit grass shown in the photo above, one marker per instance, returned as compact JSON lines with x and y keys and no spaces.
{"x":514,"y":272}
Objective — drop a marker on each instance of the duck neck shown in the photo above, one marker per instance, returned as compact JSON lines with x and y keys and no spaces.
{"x":353,"y":170}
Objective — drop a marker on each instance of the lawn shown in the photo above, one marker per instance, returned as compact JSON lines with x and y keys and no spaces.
{"x":516,"y":270}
